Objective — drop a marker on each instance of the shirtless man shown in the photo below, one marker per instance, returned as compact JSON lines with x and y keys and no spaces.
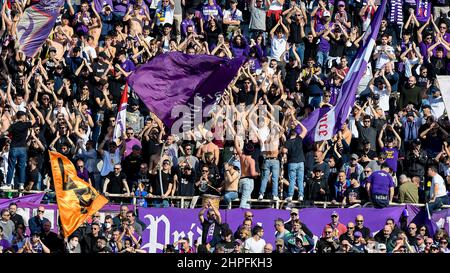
{"x":209,"y":147}
{"x":230,"y":183}
{"x":248,"y":172}
{"x":136,"y":20}
{"x":269,"y":133}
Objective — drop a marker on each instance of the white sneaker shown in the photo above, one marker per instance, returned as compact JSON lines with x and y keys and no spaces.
{"x":275,"y":198}
{"x":5,"y":187}
{"x":300,"y":198}
{"x":21,"y":187}
{"x":289,"y":199}
{"x":260,"y":197}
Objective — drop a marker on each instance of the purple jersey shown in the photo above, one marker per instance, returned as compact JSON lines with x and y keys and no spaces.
{"x":380,"y":182}
{"x":391,"y":157}
{"x":324,"y":45}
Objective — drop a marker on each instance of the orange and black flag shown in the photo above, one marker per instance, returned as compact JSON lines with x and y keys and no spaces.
{"x":77,"y":200}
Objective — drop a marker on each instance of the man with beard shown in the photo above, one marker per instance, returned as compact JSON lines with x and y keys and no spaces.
{"x":410,"y":93}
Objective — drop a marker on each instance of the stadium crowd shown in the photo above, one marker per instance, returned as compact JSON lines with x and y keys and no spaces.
{"x":393,"y":147}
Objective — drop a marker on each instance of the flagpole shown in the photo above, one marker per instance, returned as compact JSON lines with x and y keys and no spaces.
{"x":160,"y":161}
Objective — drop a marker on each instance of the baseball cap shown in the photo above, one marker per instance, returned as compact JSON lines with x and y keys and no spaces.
{"x":358,"y":234}
{"x":381,"y":246}
{"x":355,"y":156}
{"x":103,"y":55}
{"x":237,"y":242}
{"x":389,"y":139}
{"x":426,"y":106}
{"x":326,"y":13}
{"x":294,"y":210}
{"x":52,"y":48}
{"x":419,"y":237}
{"x":334,"y":213}
{"x":341,"y":3}
{"x":410,"y":114}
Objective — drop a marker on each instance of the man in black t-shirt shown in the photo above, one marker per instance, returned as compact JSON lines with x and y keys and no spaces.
{"x":18,"y":151}
{"x":131,"y":165}
{"x":115,"y":182}
{"x":165,"y":180}
{"x":296,"y":159}
{"x":186,"y":182}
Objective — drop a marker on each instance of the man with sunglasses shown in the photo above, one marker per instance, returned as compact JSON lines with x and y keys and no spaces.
{"x":115,"y":182}
{"x":365,"y":231}
{"x":337,"y":228}
{"x":36,"y":223}
{"x":327,"y":243}
{"x":166,"y":180}
{"x":295,"y":217}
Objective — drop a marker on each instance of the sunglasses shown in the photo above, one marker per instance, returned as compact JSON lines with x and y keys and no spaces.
{"x":41,"y":211}
{"x":204,"y":171}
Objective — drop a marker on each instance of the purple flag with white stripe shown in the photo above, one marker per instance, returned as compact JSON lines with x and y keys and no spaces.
{"x":35,"y":25}
{"x":322,"y":124}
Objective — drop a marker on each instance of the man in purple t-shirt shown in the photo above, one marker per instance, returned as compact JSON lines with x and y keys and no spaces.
{"x":389,"y":148}
{"x":380,"y":187}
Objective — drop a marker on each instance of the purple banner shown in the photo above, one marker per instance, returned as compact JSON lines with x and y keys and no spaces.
{"x":191,"y":82}
{"x":322,"y":124}
{"x":36,"y":24}
{"x":165,"y":226}
{"x":35,"y":198}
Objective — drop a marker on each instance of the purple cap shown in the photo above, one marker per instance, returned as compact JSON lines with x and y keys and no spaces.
{"x":341,"y":3}
{"x":358,"y":234}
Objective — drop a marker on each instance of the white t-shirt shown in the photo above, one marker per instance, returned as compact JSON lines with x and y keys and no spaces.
{"x":278,"y":47}
{"x":228,"y":14}
{"x":437,"y":179}
{"x":384,"y":58}
{"x":384,"y":98}
{"x":253,"y":246}
{"x":90,"y":52}
{"x":409,"y":65}
{"x":437,"y":106}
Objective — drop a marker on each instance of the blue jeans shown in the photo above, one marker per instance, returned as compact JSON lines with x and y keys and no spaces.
{"x":17,"y":155}
{"x":322,"y":60}
{"x":161,"y":203}
{"x":296,"y":173}
{"x":246,"y":186}
{"x":270,"y":165}
{"x":230,"y":196}
{"x":438,"y":203}
{"x":300,"y":49}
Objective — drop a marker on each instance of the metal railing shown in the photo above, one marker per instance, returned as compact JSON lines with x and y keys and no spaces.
{"x":191,"y":201}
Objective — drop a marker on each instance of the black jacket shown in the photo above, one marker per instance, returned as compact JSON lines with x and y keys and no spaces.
{"x":415,"y":165}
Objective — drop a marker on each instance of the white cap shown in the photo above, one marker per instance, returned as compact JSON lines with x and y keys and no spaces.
{"x":326,"y":13}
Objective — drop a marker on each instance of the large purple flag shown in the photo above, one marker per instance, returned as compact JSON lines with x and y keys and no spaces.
{"x":36,"y":23}
{"x":176,"y":79}
{"x":322,"y":124}
{"x":35,"y":198}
